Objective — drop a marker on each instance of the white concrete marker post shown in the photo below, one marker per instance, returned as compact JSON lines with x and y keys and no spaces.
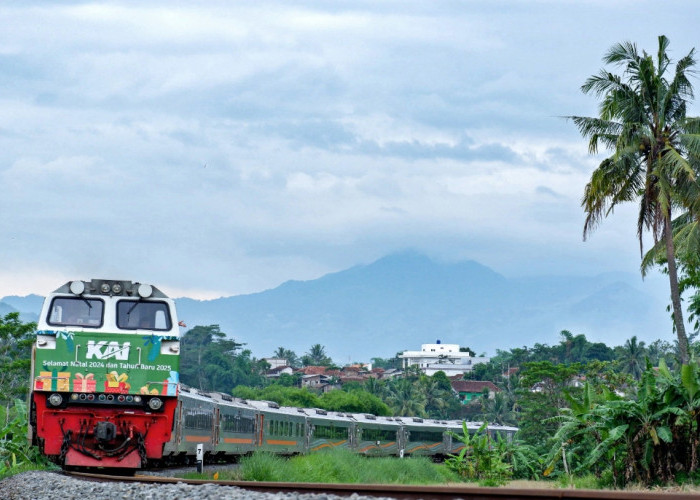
{"x":200,"y":458}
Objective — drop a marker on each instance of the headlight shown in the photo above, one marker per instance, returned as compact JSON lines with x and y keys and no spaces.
{"x":77,"y":287}
{"x":170,"y":347}
{"x":155,"y":403}
{"x":55,"y":399}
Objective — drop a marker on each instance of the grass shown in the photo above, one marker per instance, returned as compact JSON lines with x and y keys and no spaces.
{"x":25,"y":467}
{"x":16,"y":455}
{"x":337,"y":466}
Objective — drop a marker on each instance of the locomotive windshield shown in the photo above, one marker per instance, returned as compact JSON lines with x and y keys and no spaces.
{"x":76,"y":311}
{"x":132,"y":315}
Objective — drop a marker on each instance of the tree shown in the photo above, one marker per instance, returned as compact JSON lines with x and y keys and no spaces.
{"x":643,"y":121}
{"x":316,"y":357}
{"x":406,"y":399}
{"x":375,"y":386}
{"x":211,"y":362}
{"x":467,"y":349}
{"x":541,"y":395}
{"x":291,"y":357}
{"x":15,"y":351}
{"x":498,"y":410}
{"x":387,"y":363}
{"x":356,"y":401}
{"x":631,"y":357}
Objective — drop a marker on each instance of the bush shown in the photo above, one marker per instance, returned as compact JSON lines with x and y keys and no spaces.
{"x":479,"y":459}
{"x":340,"y":466}
{"x":16,"y":454}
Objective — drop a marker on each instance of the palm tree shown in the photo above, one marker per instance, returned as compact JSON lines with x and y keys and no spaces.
{"x":631,"y":357}
{"x":643,"y":121}
{"x":316,"y":357}
{"x":435,"y":397}
{"x":289,"y":355}
{"x":686,"y":241}
{"x":498,"y":410}
{"x":375,"y":387}
{"x":405,"y":399}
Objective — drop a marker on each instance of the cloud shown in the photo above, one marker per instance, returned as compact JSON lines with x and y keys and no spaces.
{"x":224,"y":148}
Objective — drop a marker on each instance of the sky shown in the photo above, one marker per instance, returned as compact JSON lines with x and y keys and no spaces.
{"x":219,"y":148}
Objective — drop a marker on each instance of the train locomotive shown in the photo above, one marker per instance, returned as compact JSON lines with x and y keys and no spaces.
{"x":105,"y":374}
{"x":106,"y":393}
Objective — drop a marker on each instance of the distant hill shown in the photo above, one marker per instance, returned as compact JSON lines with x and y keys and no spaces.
{"x":406,"y":299}
{"x":6,"y":309}
{"x":29,"y":307}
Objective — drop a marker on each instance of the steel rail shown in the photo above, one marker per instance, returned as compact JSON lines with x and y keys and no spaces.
{"x":408,"y":491}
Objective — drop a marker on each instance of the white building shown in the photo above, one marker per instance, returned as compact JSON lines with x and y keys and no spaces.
{"x":276,"y":362}
{"x":447,"y":358}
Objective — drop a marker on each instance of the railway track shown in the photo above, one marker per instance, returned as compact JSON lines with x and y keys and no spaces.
{"x":405,"y":491}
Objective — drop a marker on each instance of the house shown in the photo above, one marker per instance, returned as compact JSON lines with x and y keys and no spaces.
{"x":390,"y":373}
{"x":468,"y":390}
{"x":319,"y":382}
{"x":312,"y":370}
{"x":276,"y":362}
{"x":313,"y":381}
{"x":447,"y":358}
{"x":276,"y":372}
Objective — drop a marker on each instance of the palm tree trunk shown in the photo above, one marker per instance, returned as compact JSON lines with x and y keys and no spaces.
{"x":675,"y":292}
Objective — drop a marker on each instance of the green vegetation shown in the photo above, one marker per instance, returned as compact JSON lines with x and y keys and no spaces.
{"x":479,"y":460}
{"x":15,"y":348}
{"x":351,"y":400}
{"x":212,"y":362}
{"x":652,"y":439}
{"x":16,"y":455}
{"x":655,"y":150}
{"x":316,"y":357}
{"x":338,"y":466}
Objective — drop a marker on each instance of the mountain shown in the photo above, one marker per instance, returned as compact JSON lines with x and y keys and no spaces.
{"x":407,"y":299}
{"x":6,"y":309}
{"x":29,"y":307}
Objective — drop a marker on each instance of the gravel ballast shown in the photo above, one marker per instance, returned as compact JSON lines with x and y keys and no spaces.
{"x":41,"y":485}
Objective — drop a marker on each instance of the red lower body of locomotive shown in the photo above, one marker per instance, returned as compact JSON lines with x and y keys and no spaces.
{"x":101,"y":435}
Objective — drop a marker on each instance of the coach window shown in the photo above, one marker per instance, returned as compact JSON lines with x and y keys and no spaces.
{"x":426,"y":436}
{"x":76,"y":311}
{"x":133,"y":315}
{"x":378,"y":435}
{"x":196,"y":418}
{"x":237,"y":423}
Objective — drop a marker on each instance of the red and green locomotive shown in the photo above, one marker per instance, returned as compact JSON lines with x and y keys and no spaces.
{"x":105,"y":374}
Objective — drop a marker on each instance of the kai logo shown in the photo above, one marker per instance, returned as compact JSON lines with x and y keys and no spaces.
{"x":106,"y":350}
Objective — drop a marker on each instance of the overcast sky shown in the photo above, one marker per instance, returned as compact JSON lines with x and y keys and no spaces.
{"x":219,"y":148}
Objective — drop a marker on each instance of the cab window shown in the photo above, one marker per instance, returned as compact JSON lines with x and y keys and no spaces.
{"x":76,"y":311}
{"x":133,"y":315}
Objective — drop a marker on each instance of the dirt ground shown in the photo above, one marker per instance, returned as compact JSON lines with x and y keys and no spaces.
{"x":522,"y":484}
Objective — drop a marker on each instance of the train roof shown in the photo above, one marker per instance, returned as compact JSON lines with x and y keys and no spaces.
{"x":110,"y":288}
{"x":333,"y":416}
{"x":368,"y":418}
{"x":192,"y":393}
{"x":471,"y":425}
{"x":218,"y":398}
{"x":320,"y":414}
